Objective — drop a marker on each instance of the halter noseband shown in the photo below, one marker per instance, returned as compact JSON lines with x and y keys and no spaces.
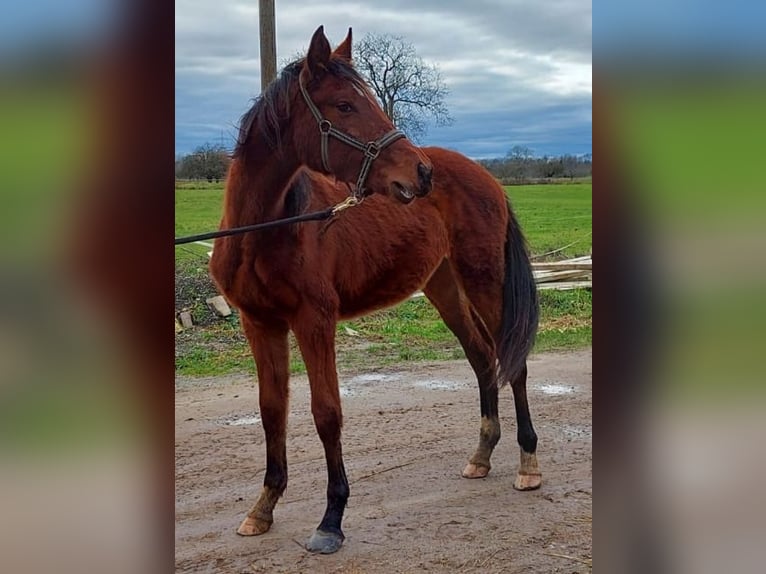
{"x":371,"y":149}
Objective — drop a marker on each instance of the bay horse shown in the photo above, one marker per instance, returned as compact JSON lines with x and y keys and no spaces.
{"x":461,"y":244}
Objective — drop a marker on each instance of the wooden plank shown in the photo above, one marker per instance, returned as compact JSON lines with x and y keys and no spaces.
{"x":572,"y":260}
{"x":564,"y":265}
{"x":561,"y":273}
{"x":566,"y":285}
{"x":548,"y":276}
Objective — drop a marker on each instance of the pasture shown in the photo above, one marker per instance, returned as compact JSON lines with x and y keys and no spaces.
{"x":552,"y":216}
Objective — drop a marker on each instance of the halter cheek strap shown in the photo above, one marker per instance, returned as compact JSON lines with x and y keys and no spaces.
{"x":371,"y":149}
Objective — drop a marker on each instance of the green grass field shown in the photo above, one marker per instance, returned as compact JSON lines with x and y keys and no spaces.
{"x":552,"y":216}
{"x":197,"y":211}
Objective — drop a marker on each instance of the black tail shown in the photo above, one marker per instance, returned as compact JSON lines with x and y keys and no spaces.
{"x":520,"y":308}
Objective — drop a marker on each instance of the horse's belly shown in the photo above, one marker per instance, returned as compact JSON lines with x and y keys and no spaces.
{"x":390,"y":285}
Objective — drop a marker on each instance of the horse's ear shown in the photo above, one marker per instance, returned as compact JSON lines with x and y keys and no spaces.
{"x":344,"y":49}
{"x":319,"y":53}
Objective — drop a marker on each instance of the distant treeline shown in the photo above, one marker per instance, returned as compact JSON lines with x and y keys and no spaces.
{"x":521,"y":166}
{"x":209,"y":162}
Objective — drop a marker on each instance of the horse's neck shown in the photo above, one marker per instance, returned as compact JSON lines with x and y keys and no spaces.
{"x":256,"y":185}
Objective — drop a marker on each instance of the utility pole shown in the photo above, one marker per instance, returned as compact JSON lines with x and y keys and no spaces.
{"x":268,"y":42}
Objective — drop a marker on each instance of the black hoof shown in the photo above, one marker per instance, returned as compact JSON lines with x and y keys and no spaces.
{"x":324,"y":542}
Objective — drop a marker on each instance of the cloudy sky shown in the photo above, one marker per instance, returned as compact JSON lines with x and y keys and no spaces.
{"x":519,"y":71}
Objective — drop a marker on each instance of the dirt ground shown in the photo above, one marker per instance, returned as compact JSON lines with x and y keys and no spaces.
{"x":407,"y":435}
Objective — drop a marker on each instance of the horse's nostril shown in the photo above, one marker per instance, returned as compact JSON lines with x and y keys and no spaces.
{"x":424,"y":173}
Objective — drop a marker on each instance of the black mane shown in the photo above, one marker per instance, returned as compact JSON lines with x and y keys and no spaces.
{"x":272,"y":107}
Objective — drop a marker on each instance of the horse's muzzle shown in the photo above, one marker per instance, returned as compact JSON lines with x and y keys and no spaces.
{"x":408,"y":192}
{"x":424,"y":180}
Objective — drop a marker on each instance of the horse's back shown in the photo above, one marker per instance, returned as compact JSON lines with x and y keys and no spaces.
{"x":453,"y":169}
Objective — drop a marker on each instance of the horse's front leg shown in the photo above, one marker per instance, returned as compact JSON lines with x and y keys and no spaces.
{"x":271,"y":352}
{"x":315,"y":334}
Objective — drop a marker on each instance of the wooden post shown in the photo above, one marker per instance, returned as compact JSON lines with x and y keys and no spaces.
{"x":268,"y":42}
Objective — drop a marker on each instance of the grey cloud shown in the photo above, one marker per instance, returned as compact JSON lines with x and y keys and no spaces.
{"x":553,"y":128}
{"x":499,"y":58}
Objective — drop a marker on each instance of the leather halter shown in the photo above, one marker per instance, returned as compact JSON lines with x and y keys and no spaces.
{"x":371,"y":149}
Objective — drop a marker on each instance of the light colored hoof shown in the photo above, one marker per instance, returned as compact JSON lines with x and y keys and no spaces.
{"x":253,"y":526}
{"x":472,"y":470}
{"x":528,"y":481}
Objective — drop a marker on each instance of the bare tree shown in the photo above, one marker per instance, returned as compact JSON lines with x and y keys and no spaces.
{"x":519,"y":160}
{"x":207,"y":161}
{"x":411,"y":91}
{"x":521,"y":152}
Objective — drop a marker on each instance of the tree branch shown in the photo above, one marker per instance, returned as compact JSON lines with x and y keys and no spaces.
{"x":410,"y":90}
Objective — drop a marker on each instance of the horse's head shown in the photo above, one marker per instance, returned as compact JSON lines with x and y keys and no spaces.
{"x":339,"y":128}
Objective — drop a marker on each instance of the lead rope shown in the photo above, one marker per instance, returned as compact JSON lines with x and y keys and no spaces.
{"x":327,"y":213}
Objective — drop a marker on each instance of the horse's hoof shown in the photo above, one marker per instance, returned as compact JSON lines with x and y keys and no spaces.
{"x":528,"y":481}
{"x":472,"y":470}
{"x":253,"y":526}
{"x":324,"y":542}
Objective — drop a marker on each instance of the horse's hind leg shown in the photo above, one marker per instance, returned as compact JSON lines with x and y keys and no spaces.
{"x":445,"y":294}
{"x":484,"y":297}
{"x":529,"y":476}
{"x":271,"y":352}
{"x":316,"y":337}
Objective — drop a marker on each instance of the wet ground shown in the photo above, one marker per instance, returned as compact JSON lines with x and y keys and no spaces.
{"x":407,"y":435}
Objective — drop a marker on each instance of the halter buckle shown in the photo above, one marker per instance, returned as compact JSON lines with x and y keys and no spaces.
{"x":325,"y":126}
{"x":372,"y":151}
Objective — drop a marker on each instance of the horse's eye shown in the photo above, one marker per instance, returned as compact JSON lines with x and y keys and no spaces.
{"x":345,"y":107}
